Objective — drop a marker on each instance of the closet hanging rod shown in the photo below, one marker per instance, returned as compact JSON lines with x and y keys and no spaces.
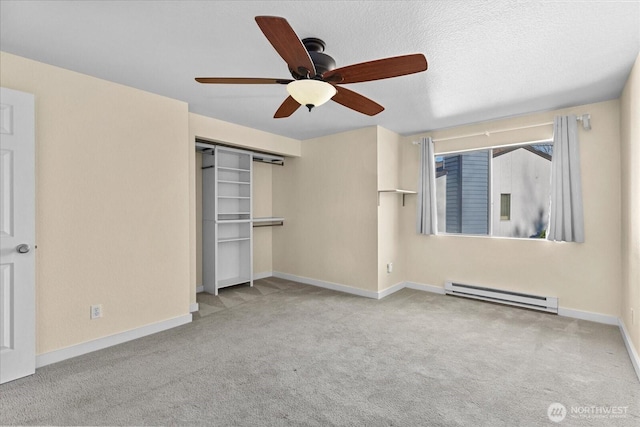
{"x":268,"y":221}
{"x":274,"y":224}
{"x":256,"y":156}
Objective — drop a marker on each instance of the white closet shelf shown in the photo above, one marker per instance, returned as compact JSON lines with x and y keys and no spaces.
{"x":234,"y":197}
{"x":231,"y":221}
{"x":396,"y":191}
{"x":233,"y":182}
{"x":235,"y":239}
{"x":226,"y":168}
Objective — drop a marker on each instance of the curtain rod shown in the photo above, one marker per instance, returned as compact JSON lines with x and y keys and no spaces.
{"x":585,"y":119}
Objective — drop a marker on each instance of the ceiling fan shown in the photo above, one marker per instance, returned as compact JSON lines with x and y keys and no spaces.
{"x":316,"y":79}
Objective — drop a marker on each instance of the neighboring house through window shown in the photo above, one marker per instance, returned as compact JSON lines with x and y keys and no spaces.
{"x":497,"y":191}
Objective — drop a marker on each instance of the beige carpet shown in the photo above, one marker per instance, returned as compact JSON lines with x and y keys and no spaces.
{"x":283,"y":353}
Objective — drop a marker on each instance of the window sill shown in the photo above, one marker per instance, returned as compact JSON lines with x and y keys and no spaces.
{"x":484,"y":236}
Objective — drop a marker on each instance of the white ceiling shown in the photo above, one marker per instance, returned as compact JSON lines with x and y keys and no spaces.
{"x":487,"y":59}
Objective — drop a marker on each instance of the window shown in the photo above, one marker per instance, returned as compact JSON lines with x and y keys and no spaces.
{"x":500,"y":191}
{"x":505,"y":207}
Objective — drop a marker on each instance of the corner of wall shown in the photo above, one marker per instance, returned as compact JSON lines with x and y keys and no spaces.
{"x":390,"y":257}
{"x":630,"y":204}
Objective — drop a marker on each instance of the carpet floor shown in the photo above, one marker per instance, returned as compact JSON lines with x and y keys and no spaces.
{"x":287,"y":354}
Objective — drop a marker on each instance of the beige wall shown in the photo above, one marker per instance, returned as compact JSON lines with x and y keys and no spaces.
{"x":389,"y":146}
{"x":630,"y":168}
{"x":328,"y":199}
{"x":112,"y":203}
{"x":584,"y":276}
{"x":241,"y":136}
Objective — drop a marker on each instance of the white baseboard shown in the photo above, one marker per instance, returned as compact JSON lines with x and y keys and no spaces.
{"x":264,"y":274}
{"x":360,"y":292}
{"x":111,"y":340}
{"x":199,"y":289}
{"x":426,"y":288}
{"x":633,"y":354}
{"x":566,"y":312}
{"x":193,"y":307}
{"x":390,"y":290}
{"x":326,"y":285}
{"x":587,"y":315}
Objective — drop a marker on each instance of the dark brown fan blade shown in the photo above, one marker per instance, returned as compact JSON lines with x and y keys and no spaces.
{"x":288,"y":107}
{"x":241,"y":80}
{"x":357,"y":102}
{"x":378,"y":69}
{"x":288,"y":45}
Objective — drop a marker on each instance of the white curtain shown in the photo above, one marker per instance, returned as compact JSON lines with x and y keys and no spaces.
{"x":566,"y":217}
{"x":427,"y":216}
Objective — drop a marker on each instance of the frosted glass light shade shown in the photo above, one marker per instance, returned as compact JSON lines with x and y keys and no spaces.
{"x":311,"y":93}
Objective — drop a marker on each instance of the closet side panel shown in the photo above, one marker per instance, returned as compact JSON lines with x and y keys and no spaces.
{"x":208,"y":223}
{"x":198,"y":219}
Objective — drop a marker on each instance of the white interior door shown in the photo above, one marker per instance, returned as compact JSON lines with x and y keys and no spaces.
{"x":17,"y":234}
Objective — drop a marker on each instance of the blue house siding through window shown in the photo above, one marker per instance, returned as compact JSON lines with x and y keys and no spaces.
{"x":467,"y":196}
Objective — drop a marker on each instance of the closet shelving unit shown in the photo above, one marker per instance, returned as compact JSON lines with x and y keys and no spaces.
{"x":227,"y":219}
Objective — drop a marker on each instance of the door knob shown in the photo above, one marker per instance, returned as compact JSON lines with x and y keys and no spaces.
{"x":23,"y":248}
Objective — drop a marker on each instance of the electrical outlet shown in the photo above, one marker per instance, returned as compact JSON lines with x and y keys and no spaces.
{"x":96,"y":311}
{"x":389,"y":267}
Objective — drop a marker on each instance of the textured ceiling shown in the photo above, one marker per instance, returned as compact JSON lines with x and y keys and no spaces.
{"x":487,"y":59}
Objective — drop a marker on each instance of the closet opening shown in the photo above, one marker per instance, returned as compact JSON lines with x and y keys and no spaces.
{"x":225,"y":214}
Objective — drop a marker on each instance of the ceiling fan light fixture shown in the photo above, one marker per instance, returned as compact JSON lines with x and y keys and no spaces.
{"x":311,"y":93}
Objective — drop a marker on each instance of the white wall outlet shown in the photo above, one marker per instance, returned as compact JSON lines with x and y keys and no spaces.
{"x":96,"y":311}
{"x":389,"y":267}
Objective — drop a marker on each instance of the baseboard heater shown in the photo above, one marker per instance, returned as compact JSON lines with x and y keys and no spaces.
{"x":534,"y":302}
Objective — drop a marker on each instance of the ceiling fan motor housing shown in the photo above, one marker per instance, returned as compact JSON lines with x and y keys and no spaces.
{"x":321,"y":61}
